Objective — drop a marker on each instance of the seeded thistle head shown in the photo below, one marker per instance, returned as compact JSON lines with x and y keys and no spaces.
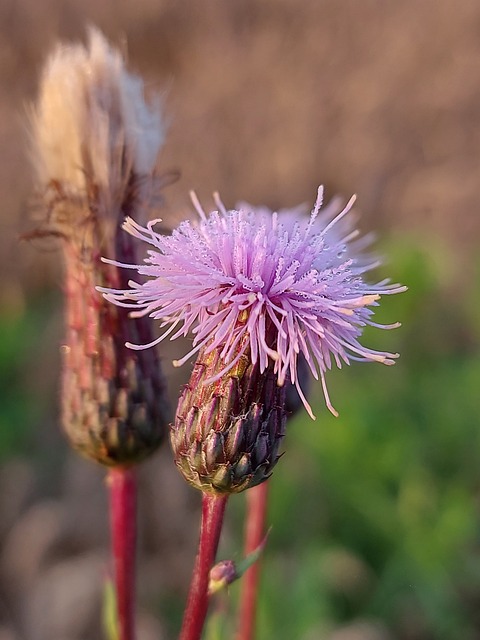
{"x":95,"y":137}
{"x":265,"y":295}
{"x":95,"y":145}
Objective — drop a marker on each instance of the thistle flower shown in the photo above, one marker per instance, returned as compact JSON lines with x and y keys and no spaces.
{"x":273,"y":287}
{"x":265,"y":296}
{"x":95,"y":144}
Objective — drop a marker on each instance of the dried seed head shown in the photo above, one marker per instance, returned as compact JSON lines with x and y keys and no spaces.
{"x":227,"y":433}
{"x":96,"y":141}
{"x":93,"y":129}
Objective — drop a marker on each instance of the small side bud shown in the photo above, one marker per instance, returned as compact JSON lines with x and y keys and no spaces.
{"x":221,"y":576}
{"x":224,"y":573}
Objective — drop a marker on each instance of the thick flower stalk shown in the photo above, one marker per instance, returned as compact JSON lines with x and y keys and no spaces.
{"x":96,"y":142}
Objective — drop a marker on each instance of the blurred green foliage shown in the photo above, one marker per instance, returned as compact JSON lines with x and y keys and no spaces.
{"x":375,"y":514}
{"x":22,"y":371}
{"x":109,"y":611}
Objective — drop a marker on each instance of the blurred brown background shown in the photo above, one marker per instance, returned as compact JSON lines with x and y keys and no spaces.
{"x":268,"y":99}
{"x":265,"y":99}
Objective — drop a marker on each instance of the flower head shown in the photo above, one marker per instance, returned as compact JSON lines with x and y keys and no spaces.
{"x":95,"y":144}
{"x":273,"y":285}
{"x":93,"y":130}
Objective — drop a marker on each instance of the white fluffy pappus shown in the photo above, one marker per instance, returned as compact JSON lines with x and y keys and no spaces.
{"x":92,"y":124}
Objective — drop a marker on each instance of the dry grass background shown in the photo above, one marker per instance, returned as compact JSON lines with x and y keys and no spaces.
{"x":268,"y":99}
{"x":265,"y":100}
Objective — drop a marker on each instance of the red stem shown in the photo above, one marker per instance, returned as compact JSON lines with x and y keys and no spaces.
{"x":213,"y":509}
{"x":123,"y":521}
{"x":257,"y":499}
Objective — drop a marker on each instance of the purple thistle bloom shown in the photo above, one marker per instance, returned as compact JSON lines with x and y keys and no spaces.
{"x":293,"y":285}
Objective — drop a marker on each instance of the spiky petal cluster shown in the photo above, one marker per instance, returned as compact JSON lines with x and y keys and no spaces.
{"x":251,"y":272}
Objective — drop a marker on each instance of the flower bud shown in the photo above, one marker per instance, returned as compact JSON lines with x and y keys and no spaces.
{"x":222,"y":575}
{"x":228,"y":430}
